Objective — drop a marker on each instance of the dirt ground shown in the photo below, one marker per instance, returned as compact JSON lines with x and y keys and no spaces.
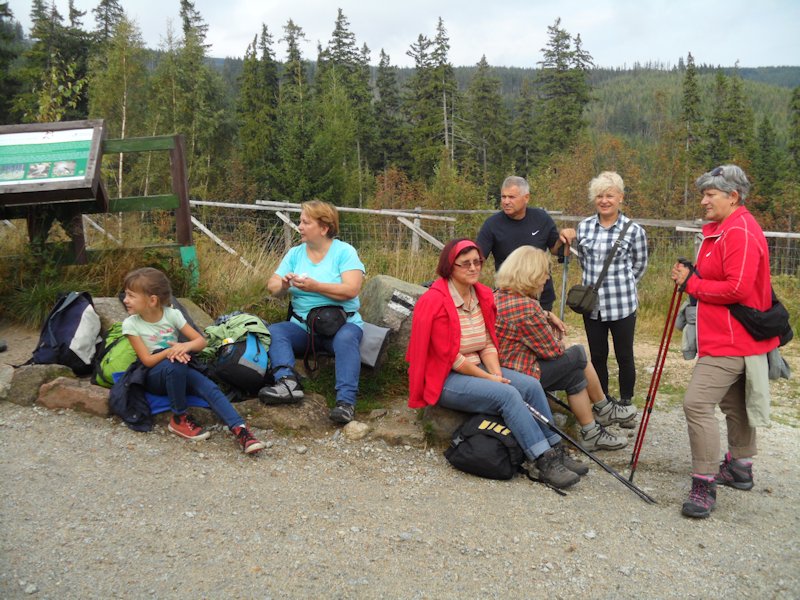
{"x":91,"y":509}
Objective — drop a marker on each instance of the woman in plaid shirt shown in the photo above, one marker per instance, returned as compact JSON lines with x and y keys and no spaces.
{"x":615,"y":312}
{"x":532,"y":342}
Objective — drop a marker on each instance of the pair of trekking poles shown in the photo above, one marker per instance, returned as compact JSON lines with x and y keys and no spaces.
{"x":650,"y":399}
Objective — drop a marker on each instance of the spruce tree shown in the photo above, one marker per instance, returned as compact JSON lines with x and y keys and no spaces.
{"x":565,"y":91}
{"x":423,"y":110}
{"x":389,"y":122}
{"x":11,"y":46}
{"x":486,"y":121}
{"x":794,"y":134}
{"x":766,"y":167}
{"x":692,"y":123}
{"x":107,"y":15}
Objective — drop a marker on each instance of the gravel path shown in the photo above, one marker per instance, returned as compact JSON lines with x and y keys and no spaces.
{"x":90,"y":509}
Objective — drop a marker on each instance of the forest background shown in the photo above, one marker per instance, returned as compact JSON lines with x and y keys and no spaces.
{"x":277,"y":125}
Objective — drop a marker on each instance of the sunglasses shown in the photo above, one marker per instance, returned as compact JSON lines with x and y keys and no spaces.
{"x":717,"y":172}
{"x":477,"y":263}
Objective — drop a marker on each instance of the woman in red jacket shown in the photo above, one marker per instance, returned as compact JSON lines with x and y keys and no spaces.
{"x":732,"y":267}
{"x":453,"y":362}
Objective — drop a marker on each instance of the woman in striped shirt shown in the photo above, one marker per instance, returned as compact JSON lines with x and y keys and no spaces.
{"x":453,"y":362}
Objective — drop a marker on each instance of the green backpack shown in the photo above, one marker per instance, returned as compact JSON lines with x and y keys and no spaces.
{"x":116,"y":357}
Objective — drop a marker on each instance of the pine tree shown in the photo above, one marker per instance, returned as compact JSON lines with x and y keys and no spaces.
{"x":692,"y":122}
{"x":446,"y":86}
{"x":716,"y":135}
{"x":389,"y":122}
{"x":523,"y":136}
{"x":11,"y":46}
{"x":118,"y":90}
{"x":767,"y":169}
{"x":794,"y":134}
{"x":565,"y":91}
{"x":423,"y":111}
{"x":294,"y":124}
{"x":486,"y":120}
{"x":107,"y":16}
{"x":257,"y":114}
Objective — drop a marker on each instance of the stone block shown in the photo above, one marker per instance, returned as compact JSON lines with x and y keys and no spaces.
{"x":389,"y":302}
{"x":28,"y":379}
{"x":439,"y":423}
{"x":80,"y":395}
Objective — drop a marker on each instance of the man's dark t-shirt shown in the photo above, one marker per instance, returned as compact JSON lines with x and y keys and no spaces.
{"x":500,"y":235}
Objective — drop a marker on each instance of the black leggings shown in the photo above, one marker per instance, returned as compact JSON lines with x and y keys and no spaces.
{"x":622,"y":334}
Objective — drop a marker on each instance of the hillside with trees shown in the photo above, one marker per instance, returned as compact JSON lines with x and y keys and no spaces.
{"x":349,"y":127}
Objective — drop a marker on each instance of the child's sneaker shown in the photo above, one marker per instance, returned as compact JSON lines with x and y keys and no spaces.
{"x":735,"y":474}
{"x":246,"y":440}
{"x":184,"y":426}
{"x":702,"y":497}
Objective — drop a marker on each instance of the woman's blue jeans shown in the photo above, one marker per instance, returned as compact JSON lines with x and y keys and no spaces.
{"x":290,"y":340}
{"x":175,"y":380}
{"x":477,"y":395}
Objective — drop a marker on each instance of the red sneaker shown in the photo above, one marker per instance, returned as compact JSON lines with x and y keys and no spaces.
{"x":184,"y":426}
{"x":249,"y":444}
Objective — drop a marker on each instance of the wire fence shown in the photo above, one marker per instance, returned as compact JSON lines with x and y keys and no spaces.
{"x":264,"y":228}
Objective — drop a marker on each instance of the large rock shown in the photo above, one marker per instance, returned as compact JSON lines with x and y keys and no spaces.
{"x":6,"y":375}
{"x":111,"y":311}
{"x":28,"y":379}
{"x":389,"y":302}
{"x":309,"y":417}
{"x":65,"y":392}
{"x":439,"y":423}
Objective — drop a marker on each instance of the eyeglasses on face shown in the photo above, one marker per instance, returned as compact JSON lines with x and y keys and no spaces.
{"x":477,"y":263}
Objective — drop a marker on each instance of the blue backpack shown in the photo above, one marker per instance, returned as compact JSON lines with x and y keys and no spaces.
{"x":70,"y":335}
{"x":241,"y":364}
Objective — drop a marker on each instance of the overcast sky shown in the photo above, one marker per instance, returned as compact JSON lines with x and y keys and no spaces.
{"x":510,"y":33}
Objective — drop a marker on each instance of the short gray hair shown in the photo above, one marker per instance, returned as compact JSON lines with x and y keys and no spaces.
{"x":605,"y":181}
{"x":518,"y":182}
{"x":725,"y":178}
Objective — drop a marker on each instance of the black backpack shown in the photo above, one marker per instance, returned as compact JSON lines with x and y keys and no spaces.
{"x":70,"y":335}
{"x":485,"y":447}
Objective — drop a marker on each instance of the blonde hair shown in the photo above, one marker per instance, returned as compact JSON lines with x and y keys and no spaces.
{"x":150,"y":282}
{"x":323,"y":213}
{"x":524,"y":271}
{"x":605,"y":181}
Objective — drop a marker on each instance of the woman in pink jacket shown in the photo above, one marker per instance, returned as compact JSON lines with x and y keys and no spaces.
{"x":732,"y":267}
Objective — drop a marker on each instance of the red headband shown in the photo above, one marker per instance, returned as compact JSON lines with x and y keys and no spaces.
{"x":460,"y":247}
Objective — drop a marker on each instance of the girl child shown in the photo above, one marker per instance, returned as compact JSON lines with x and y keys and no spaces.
{"x":152,"y":329}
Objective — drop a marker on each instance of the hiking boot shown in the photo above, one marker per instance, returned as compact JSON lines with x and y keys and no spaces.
{"x":342,"y":413}
{"x":735,"y":474}
{"x":600,"y":439}
{"x":702,"y":498}
{"x":553,"y":471}
{"x":184,"y":426}
{"x":569,"y":462}
{"x":249,"y":444}
{"x":287,"y":390}
{"x":622,"y":413}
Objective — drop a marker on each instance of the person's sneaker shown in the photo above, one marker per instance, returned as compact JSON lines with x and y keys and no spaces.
{"x":735,"y":474}
{"x":600,"y":439}
{"x":287,"y":390}
{"x":246,"y":440}
{"x":569,"y":462}
{"x":622,"y":413}
{"x":553,"y":471}
{"x":342,"y":413}
{"x":184,"y":426}
{"x":702,"y":498}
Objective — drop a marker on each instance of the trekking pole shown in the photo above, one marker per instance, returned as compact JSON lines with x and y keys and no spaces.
{"x":661,"y":357}
{"x":564,"y":283}
{"x":545,"y":421}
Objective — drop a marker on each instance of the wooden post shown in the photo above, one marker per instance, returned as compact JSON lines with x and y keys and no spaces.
{"x":180,"y":187}
{"x":414,"y":234}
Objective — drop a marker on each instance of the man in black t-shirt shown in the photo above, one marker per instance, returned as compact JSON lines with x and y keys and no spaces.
{"x":518,"y":225}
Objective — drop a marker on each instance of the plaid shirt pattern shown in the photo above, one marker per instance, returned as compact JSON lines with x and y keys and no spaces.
{"x":618,"y":297}
{"x":523,"y":333}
